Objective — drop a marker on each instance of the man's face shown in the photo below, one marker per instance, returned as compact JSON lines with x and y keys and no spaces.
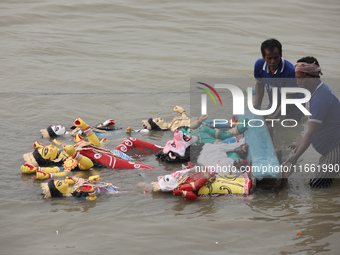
{"x":272,"y":58}
{"x":301,"y":79}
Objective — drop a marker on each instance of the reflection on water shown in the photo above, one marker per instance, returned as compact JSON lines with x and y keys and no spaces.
{"x":72,"y":206}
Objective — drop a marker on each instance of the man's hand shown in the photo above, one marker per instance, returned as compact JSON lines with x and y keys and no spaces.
{"x":294,"y":146}
{"x":290,"y":163}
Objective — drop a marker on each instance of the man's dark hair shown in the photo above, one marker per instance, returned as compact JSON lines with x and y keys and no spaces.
{"x":270,"y":45}
{"x":309,"y":60}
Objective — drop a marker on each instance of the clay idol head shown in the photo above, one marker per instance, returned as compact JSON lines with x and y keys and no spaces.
{"x":53,"y":131}
{"x":55,"y":188}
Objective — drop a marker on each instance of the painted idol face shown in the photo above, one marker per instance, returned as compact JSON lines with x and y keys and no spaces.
{"x":160,"y":122}
{"x":58,"y":129}
{"x":62,"y":186}
{"x":178,"y":149}
{"x":169,"y":182}
{"x":48,"y":152}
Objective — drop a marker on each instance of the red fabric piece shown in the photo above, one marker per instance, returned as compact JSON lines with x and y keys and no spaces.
{"x":113,"y":162}
{"x":131,"y":143}
{"x":186,"y":194}
{"x":197,"y":185}
{"x":85,"y":187}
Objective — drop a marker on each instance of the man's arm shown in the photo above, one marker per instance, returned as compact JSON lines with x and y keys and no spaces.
{"x":277,"y":113}
{"x":259,"y":92}
{"x":307,"y":139}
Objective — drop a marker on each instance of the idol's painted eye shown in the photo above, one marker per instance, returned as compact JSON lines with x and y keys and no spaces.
{"x":186,"y":138}
{"x":171,"y":155}
{"x":46,"y":151}
{"x":59,"y":183}
{"x":56,"y":128}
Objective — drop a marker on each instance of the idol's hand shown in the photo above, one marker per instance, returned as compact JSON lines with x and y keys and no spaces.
{"x":70,"y":150}
{"x":28,"y":169}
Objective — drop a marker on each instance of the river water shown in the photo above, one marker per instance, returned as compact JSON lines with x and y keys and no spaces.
{"x":131,"y":60}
